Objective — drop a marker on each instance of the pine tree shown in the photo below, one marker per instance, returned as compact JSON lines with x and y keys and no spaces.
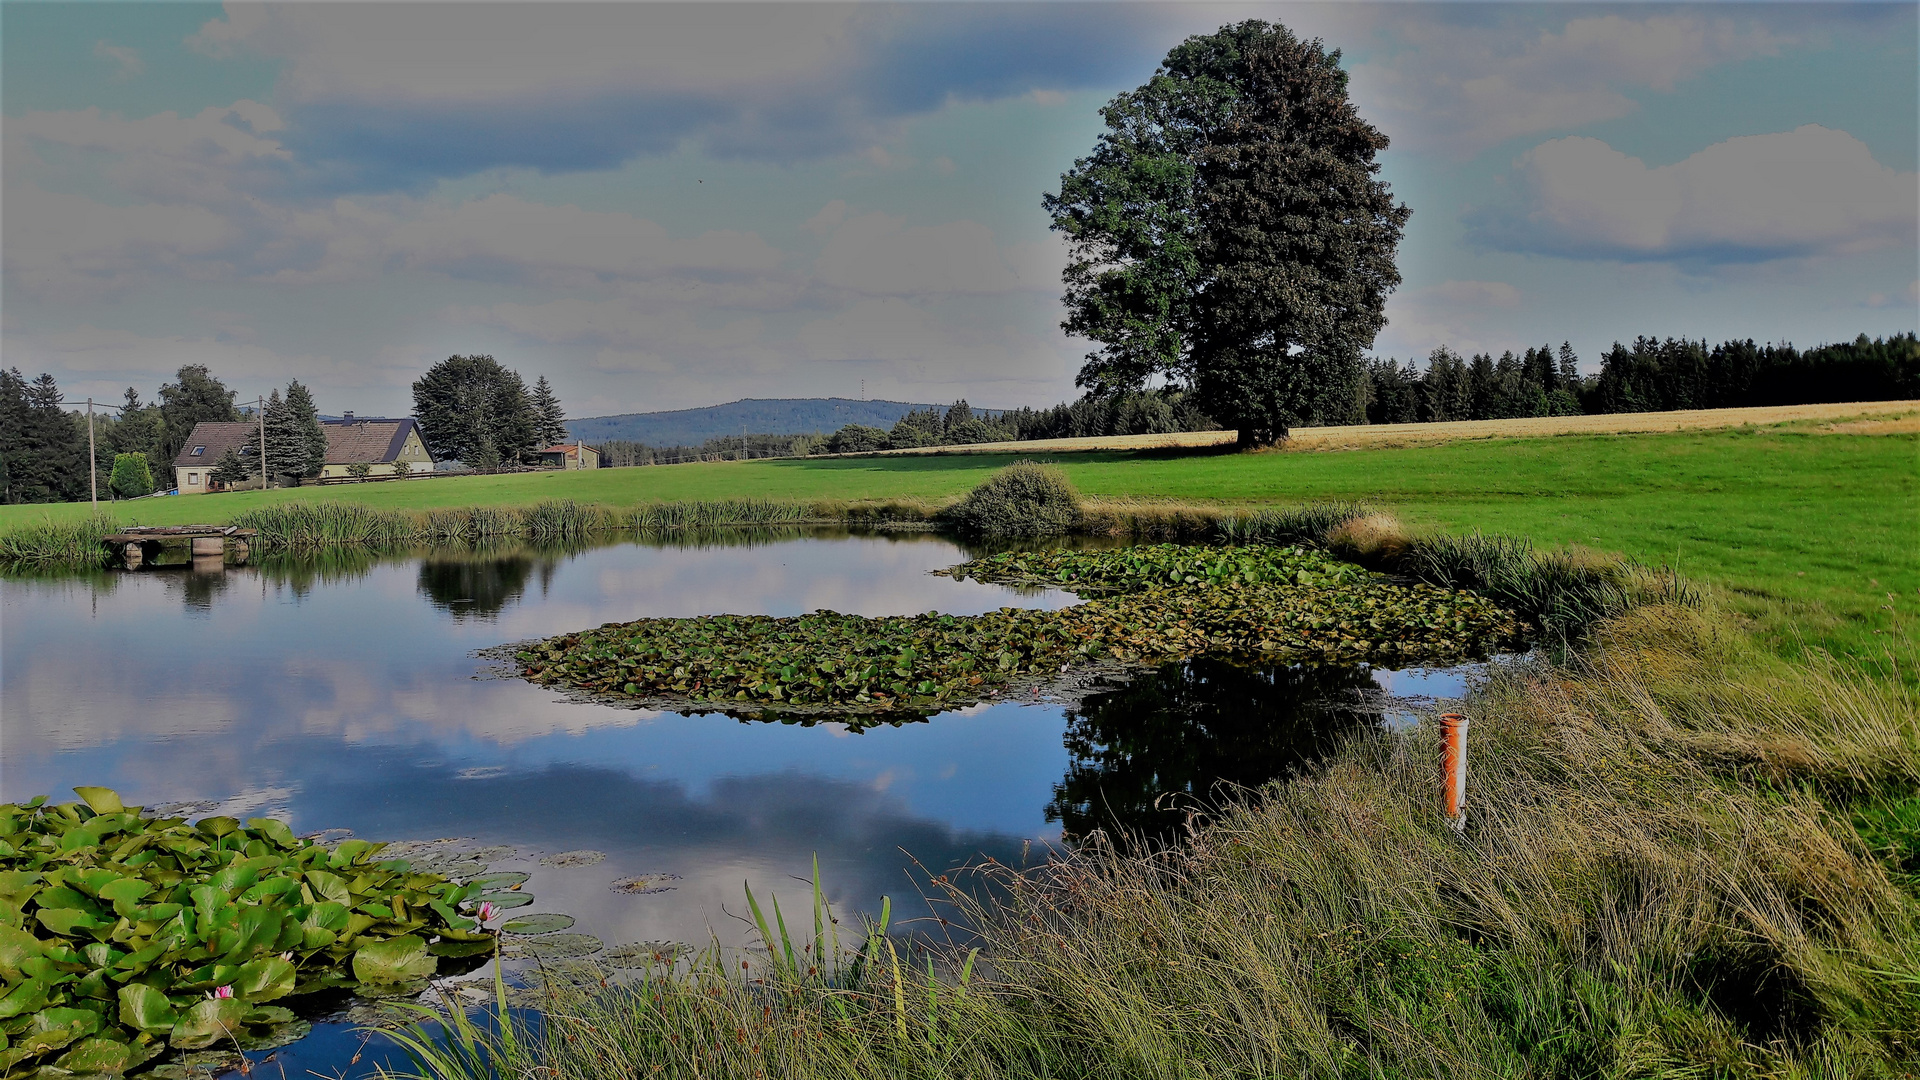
{"x":473,"y":409}
{"x":550,"y":420}
{"x":13,"y":433}
{"x":230,"y":469}
{"x":307,"y":445}
{"x":47,"y":455}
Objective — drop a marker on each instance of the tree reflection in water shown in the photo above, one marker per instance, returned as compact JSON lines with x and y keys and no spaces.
{"x":1143,"y":755}
{"x":480,"y":585}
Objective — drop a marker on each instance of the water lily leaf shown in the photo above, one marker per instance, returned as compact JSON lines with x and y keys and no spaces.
{"x":273,"y":1037}
{"x":17,"y":947}
{"x":569,"y":859}
{"x":456,"y":949}
{"x":276,"y":831}
{"x":209,"y":1021}
{"x":537,"y":924}
{"x":505,"y":879}
{"x":18,"y":885}
{"x":103,"y":1057}
{"x":264,"y":979}
{"x":127,"y":890}
{"x":145,"y":1009}
{"x":640,"y":954}
{"x":29,"y":996}
{"x":266,"y":1015}
{"x":553,"y":946}
{"x":101,"y":800}
{"x":393,"y":960}
{"x":64,"y":921}
{"x":54,"y":1028}
{"x":508,"y":899}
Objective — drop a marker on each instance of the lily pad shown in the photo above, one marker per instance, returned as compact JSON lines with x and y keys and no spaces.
{"x":537,"y":924}
{"x":645,"y":884}
{"x":507,"y":899}
{"x":553,"y":946}
{"x":567,"y":860}
{"x":456,"y":949}
{"x":393,"y":960}
{"x":642,"y":954}
{"x":490,"y":854}
{"x":275,"y":1036}
{"x":505,"y":879}
{"x":145,"y":1009}
{"x":103,"y":1056}
{"x":208,"y":1022}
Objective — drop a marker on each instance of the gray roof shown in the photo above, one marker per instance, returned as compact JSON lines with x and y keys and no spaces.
{"x":372,"y":441}
{"x":213,"y":439}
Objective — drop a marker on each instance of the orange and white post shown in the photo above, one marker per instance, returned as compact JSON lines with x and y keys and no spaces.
{"x":1454,"y":766}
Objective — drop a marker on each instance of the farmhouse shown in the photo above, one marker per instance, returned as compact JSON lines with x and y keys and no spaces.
{"x":577,"y":456}
{"x":387,"y":447}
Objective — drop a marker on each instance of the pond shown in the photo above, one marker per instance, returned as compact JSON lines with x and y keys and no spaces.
{"x":343,"y":693}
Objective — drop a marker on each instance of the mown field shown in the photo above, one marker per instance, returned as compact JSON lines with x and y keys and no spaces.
{"x":1803,"y":528}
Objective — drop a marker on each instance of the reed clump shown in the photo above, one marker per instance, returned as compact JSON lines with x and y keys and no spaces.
{"x":1657,"y":877}
{"x":50,"y":545}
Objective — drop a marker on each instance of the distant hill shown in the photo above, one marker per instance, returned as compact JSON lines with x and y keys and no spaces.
{"x":757,"y":416}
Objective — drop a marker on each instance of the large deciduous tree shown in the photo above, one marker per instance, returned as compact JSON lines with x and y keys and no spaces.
{"x":473,"y":409}
{"x":195,"y":396}
{"x":1229,"y":233}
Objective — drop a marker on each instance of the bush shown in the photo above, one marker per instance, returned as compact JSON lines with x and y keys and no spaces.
{"x":856,"y":438}
{"x":359,"y":470}
{"x":131,"y":477}
{"x":1024,"y":499}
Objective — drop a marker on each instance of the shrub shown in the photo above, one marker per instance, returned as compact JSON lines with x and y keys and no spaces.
{"x":359,"y":470}
{"x":131,"y":476}
{"x":1024,"y":499}
{"x":856,"y":438}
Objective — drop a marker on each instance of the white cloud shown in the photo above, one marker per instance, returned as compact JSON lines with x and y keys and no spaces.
{"x":880,"y":254}
{"x":1811,"y":191}
{"x":1458,"y":87}
{"x":68,"y":245}
{"x":1467,"y":315}
{"x":127,"y":59}
{"x":1908,"y":298}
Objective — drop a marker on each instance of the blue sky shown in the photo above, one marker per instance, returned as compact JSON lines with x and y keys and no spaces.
{"x":661,"y":206}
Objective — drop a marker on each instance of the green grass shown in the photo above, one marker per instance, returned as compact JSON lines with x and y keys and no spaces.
{"x":1804,"y":533}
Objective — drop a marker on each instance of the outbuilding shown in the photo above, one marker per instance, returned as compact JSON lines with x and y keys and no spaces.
{"x":574,"y":456}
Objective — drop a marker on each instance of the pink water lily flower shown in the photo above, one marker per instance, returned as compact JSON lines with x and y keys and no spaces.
{"x":223,"y":992}
{"x":488,"y":912}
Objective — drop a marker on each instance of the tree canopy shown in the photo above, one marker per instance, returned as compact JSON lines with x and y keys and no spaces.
{"x":474,"y":409}
{"x":194,"y":396}
{"x":296,"y":442}
{"x":1228,"y":233}
{"x":550,"y":420}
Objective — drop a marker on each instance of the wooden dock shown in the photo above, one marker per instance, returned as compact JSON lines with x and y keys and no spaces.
{"x":141,"y":543}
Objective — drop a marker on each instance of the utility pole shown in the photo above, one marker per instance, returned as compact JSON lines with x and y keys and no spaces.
{"x":93,"y":460}
{"x":262,"y":411}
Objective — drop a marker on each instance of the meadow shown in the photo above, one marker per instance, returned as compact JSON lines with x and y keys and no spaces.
{"x":1806,"y":529}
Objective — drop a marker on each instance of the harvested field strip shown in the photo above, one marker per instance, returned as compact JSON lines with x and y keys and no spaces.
{"x":1866,"y":417}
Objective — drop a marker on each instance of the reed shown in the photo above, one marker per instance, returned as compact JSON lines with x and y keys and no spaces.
{"x":1657,"y":878}
{"x":52,"y":545}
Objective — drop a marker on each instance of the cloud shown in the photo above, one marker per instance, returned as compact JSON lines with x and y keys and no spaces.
{"x":107,"y":351}
{"x":1907,"y":298}
{"x":1456,"y":87}
{"x":128,"y":59}
{"x":383,"y":96}
{"x":1467,"y":315}
{"x":880,"y":254}
{"x":1812,"y":191}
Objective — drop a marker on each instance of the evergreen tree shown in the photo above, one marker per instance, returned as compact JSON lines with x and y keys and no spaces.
{"x":473,"y":409}
{"x":307,"y":437}
{"x":196,"y":396}
{"x":550,"y":420}
{"x":959,"y":413}
{"x":132,"y":477}
{"x":138,"y":431}
{"x":231,"y":469}
{"x":45,"y":450}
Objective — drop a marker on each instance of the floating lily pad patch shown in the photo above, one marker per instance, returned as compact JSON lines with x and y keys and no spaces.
{"x":505,"y":900}
{"x":1153,"y":604}
{"x":642,"y":954}
{"x":537,"y":924}
{"x":125,"y":936}
{"x":504,"y":879}
{"x":569,"y":859}
{"x":645,"y":884}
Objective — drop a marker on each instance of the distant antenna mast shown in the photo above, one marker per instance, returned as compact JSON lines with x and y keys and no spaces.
{"x":863,"y":389}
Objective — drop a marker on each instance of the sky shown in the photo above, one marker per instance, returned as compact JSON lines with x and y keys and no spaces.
{"x":662,"y":206}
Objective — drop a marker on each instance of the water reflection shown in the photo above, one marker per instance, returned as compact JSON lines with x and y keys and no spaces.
{"x":480,"y":585}
{"x":1143,"y":755}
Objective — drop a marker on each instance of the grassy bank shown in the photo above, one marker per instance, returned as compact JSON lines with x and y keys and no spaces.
{"x":1658,"y":878}
{"x":1803,"y":530}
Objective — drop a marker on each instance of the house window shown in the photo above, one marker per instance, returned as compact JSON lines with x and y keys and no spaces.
{"x":197,"y":451}
{"x":193,"y":479}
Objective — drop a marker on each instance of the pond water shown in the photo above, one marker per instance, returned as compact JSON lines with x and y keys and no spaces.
{"x":342,"y":693}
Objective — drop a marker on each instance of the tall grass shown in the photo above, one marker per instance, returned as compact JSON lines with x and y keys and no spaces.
{"x":1656,"y":879}
{"x":50,"y":544}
